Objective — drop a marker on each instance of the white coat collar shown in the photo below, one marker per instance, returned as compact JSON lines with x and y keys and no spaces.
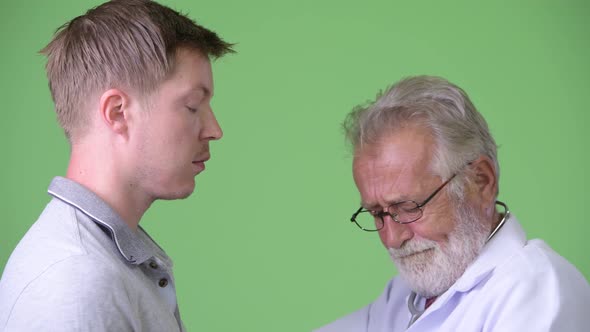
{"x":504,"y":244}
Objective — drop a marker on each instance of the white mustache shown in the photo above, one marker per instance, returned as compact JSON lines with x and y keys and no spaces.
{"x":411,"y":248}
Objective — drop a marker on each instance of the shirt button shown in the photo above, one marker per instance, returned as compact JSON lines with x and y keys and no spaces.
{"x":153,"y":265}
{"x":163,"y":282}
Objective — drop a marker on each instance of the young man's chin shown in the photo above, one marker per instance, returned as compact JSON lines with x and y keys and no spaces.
{"x":178,"y":192}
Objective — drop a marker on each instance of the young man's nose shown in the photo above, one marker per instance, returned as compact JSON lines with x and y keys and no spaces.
{"x":211,"y":129}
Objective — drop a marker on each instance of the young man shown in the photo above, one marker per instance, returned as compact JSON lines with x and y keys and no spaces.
{"x":426,"y":168}
{"x":132,"y":85}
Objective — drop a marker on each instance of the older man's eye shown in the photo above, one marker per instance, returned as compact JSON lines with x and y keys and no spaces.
{"x":192,"y":110}
{"x":375,"y":213}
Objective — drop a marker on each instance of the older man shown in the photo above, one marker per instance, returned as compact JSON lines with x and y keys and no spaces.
{"x":132,"y":85}
{"x":426,"y":168}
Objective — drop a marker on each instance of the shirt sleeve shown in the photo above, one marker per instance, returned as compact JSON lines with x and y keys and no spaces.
{"x":76,"y":294}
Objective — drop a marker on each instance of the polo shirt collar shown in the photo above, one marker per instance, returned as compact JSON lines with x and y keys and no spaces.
{"x":129,"y":243}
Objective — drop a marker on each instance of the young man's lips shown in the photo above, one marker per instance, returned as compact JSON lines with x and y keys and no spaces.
{"x":202,"y":158}
{"x":199,"y":164}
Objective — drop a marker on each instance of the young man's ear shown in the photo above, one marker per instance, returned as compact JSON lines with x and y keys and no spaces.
{"x":485,"y":179}
{"x":114,"y":111}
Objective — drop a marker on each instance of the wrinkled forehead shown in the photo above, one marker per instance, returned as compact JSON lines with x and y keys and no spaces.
{"x":410,"y":148}
{"x":394,"y":167}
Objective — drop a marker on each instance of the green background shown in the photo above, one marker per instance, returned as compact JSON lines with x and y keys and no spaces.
{"x":265,"y":244}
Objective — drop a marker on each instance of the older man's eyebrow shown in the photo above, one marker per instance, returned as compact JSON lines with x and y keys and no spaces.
{"x":377,"y":207}
{"x":372,"y":206}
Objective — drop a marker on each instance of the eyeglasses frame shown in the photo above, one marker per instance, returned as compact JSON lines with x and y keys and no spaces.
{"x":386,"y":212}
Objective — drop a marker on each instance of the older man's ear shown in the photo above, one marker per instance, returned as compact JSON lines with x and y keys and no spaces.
{"x":484,"y":181}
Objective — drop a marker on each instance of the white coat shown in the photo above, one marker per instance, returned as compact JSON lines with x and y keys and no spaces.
{"x":513,"y":285}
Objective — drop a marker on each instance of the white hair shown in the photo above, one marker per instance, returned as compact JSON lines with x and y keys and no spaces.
{"x":460,"y":132}
{"x":430,"y":268}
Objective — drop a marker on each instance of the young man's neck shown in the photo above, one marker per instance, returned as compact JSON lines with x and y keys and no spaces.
{"x":99,"y":174}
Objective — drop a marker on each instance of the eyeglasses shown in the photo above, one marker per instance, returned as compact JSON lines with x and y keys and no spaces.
{"x":403,"y":212}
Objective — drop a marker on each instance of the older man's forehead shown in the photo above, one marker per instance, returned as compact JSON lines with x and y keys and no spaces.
{"x":398,"y":150}
{"x":390,"y":169}
{"x":380,"y":189}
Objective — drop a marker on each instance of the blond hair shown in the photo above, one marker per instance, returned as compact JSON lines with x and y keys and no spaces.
{"x":119,"y":44}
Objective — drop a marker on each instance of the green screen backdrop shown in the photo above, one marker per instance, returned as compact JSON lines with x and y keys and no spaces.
{"x":264,"y":243}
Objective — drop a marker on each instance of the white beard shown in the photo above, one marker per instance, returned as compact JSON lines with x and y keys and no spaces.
{"x":433,"y":270}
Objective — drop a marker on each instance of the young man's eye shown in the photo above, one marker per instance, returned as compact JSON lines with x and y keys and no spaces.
{"x":192,"y":110}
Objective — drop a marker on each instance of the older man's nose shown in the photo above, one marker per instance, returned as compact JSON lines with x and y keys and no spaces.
{"x":393,"y":235}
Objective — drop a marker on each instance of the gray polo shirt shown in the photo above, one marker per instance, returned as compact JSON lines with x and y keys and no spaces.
{"x":81,"y":268}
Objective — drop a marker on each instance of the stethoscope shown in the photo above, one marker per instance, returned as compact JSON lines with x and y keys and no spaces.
{"x":413,"y":299}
